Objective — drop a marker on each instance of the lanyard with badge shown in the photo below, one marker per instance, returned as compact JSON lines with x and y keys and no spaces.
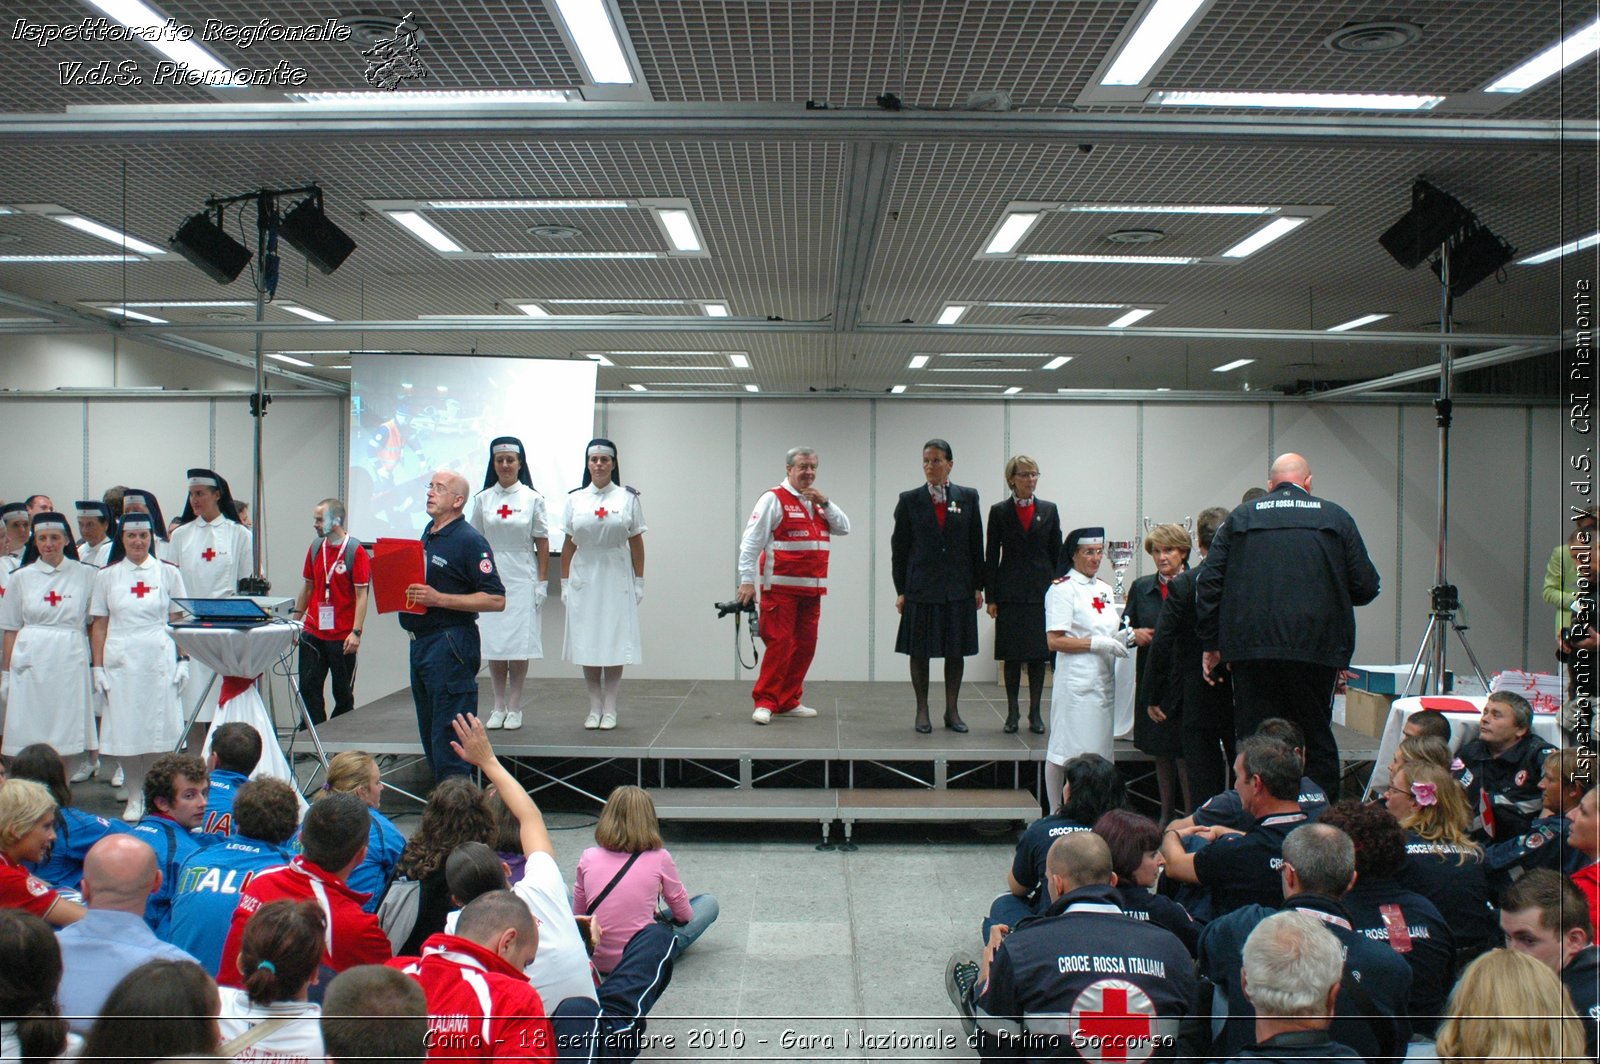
{"x":325,"y":610}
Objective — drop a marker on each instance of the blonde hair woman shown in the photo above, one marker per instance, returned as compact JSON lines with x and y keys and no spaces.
{"x":1155,"y":733}
{"x":1020,"y":561}
{"x":1443,"y":864}
{"x":621,"y":880}
{"x":1508,"y":1007}
{"x":356,"y":772}
{"x":27,"y":830}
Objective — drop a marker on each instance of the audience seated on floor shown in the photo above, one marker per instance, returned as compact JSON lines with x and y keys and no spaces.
{"x":373,"y":1012}
{"x":76,"y":830}
{"x":174,"y":808}
{"x":1135,"y":844}
{"x":1509,"y":1007}
{"x":1546,"y":917}
{"x":27,"y":827}
{"x":161,"y":1009}
{"x":31,"y":1026}
{"x":1584,"y":837}
{"x":455,"y":814}
{"x":1500,"y":768}
{"x":279,"y":958}
{"x":1443,"y":863}
{"x":1543,"y":844}
{"x":119,"y":876}
{"x":1227,"y":809}
{"x":211,"y":880}
{"x":1428,"y":723}
{"x":1318,"y":867}
{"x":235,"y":752}
{"x":1292,"y":970}
{"x":356,"y":772}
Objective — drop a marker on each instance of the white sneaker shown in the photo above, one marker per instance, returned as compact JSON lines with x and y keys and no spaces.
{"x":117,"y":778}
{"x":497,"y":719}
{"x":762,"y":715}
{"x":800,"y":711}
{"x":86,"y":769}
{"x":592,"y":721}
{"x":608,"y":721}
{"x":513,"y":719}
{"x":135,"y":809}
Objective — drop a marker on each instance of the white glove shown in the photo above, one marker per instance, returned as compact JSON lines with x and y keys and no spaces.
{"x":180,"y":675}
{"x":99,"y":675}
{"x":565,"y":586}
{"x":1107,"y":646}
{"x":541,"y":591}
{"x":638,"y":590}
{"x":5,"y":686}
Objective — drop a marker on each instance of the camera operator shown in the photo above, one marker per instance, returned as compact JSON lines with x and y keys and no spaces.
{"x":787,"y":539}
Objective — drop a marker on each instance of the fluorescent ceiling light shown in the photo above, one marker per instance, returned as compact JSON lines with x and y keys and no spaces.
{"x":281,"y":357}
{"x":943,"y":387}
{"x":602,"y":359}
{"x":1227,"y":367}
{"x":136,"y":15}
{"x":1011,"y":232}
{"x":898,"y":389}
{"x":637,"y":387}
{"x":9,"y":210}
{"x":1580,"y":45}
{"x":73,"y":258}
{"x":1169,"y":208}
{"x":1125,"y":260}
{"x":1131,"y":317}
{"x":135,"y":315}
{"x":968,"y":369}
{"x":1273,"y":230}
{"x":994,"y":354}
{"x":105,"y":232}
{"x":951,"y":313}
{"x":1014,"y":389}
{"x":740,"y":361}
{"x":599,"y":47}
{"x":1065,"y":306}
{"x":1326,"y":101}
{"x":672,"y":352}
{"x":525,"y":204}
{"x":676,"y":369}
{"x":680,"y":230}
{"x":335,"y":367}
{"x":575,"y":255}
{"x":532,"y":310}
{"x":618,"y":302}
{"x":1163,"y":21}
{"x":918,"y":361}
{"x":426,"y":231}
{"x":1356,"y":323}
{"x":304,"y":312}
{"x":467,"y":317}
{"x":1565,"y":249}
{"x":1057,"y":362}
{"x":406,"y":100}
{"x":752,"y":387}
{"x":716,"y":310}
{"x":194,"y":303}
{"x":691,"y":384}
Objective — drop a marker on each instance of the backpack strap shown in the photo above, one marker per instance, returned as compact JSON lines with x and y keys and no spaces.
{"x":614,"y":881}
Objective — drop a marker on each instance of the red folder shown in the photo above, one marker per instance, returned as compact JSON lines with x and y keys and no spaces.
{"x":397,"y":564}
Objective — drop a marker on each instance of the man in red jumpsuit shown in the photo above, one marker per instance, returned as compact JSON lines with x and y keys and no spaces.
{"x":787,"y":540}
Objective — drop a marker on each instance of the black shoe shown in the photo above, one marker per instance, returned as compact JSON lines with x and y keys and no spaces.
{"x":1035,"y":723}
{"x":1012,"y":717}
{"x":960,"y":976}
{"x":957,"y":725}
{"x":923,"y":725}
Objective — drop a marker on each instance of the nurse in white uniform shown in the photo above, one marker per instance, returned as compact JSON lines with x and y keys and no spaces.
{"x":94,"y":526}
{"x":510,"y":514}
{"x":16,"y":519}
{"x":139,"y":501}
{"x":602,"y":579}
{"x":136,"y":663}
{"x":45,"y":616}
{"x":212,"y":549}
{"x":1081,"y":624}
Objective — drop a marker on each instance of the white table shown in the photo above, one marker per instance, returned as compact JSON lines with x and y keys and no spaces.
{"x":240,"y":656}
{"x":1462,"y":711}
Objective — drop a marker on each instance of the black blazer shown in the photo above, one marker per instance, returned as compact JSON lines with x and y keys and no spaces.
{"x":1173,"y":678}
{"x":1019,"y":566}
{"x":1141,"y":611}
{"x":933,"y":564}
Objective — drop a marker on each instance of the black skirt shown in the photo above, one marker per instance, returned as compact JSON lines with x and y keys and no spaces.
{"x":938,"y":630}
{"x":1019,"y":632}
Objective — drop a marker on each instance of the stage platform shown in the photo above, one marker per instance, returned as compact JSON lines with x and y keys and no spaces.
{"x":693,"y":744}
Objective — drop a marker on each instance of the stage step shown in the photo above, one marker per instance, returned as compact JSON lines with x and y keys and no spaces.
{"x":848,"y":805}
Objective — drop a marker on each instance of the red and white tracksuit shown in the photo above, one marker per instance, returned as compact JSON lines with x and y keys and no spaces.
{"x":787,"y":538}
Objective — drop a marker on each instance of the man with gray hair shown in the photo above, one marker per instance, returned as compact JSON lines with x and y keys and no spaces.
{"x":1317,"y":868}
{"x":333,"y":606}
{"x":787,"y":540}
{"x":1292,"y":969}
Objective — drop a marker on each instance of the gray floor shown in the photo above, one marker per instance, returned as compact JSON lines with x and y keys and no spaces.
{"x":821,"y":945}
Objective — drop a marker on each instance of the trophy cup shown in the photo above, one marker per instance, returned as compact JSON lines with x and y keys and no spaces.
{"x":1121,"y":552}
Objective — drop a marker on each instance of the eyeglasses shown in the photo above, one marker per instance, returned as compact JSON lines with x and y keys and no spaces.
{"x":1392,"y":789}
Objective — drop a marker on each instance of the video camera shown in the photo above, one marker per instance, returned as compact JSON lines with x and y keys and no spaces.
{"x":734,"y":606}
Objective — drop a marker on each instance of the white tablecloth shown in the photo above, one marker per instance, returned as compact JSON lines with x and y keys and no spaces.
{"x":1462,"y":711}
{"x":1126,"y":672}
{"x":240,"y":656}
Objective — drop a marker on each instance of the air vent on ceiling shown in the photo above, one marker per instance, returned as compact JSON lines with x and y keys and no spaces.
{"x":554,"y":232}
{"x":367,"y":30}
{"x":1371,"y":38}
{"x":1136,"y":236}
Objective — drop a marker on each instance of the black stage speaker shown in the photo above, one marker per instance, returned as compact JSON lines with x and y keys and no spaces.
{"x":203,"y":243}
{"x":310,"y":232}
{"x":1434,"y":217}
{"x":1478,"y":255}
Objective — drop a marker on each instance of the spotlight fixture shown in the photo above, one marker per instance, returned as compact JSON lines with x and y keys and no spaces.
{"x":204,"y":243}
{"x":1434,"y":217}
{"x":310,"y":232}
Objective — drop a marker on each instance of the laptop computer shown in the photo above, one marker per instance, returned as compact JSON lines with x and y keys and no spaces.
{"x":221,"y":613}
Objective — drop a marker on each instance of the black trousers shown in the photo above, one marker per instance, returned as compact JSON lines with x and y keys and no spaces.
{"x":320,"y":659}
{"x":1208,"y":752}
{"x":1297,"y":691}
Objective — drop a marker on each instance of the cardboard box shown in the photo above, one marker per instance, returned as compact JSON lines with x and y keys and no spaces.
{"x":1367,"y":711}
{"x":1386,"y":679}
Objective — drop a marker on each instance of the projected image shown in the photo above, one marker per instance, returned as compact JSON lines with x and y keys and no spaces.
{"x":413,"y":414}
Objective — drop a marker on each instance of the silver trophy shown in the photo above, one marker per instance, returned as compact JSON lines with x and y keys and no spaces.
{"x":1121,"y":551}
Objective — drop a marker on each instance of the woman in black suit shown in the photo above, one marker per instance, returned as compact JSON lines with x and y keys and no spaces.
{"x":936,"y":552}
{"x":1157,"y":734}
{"x":1024,"y":547}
